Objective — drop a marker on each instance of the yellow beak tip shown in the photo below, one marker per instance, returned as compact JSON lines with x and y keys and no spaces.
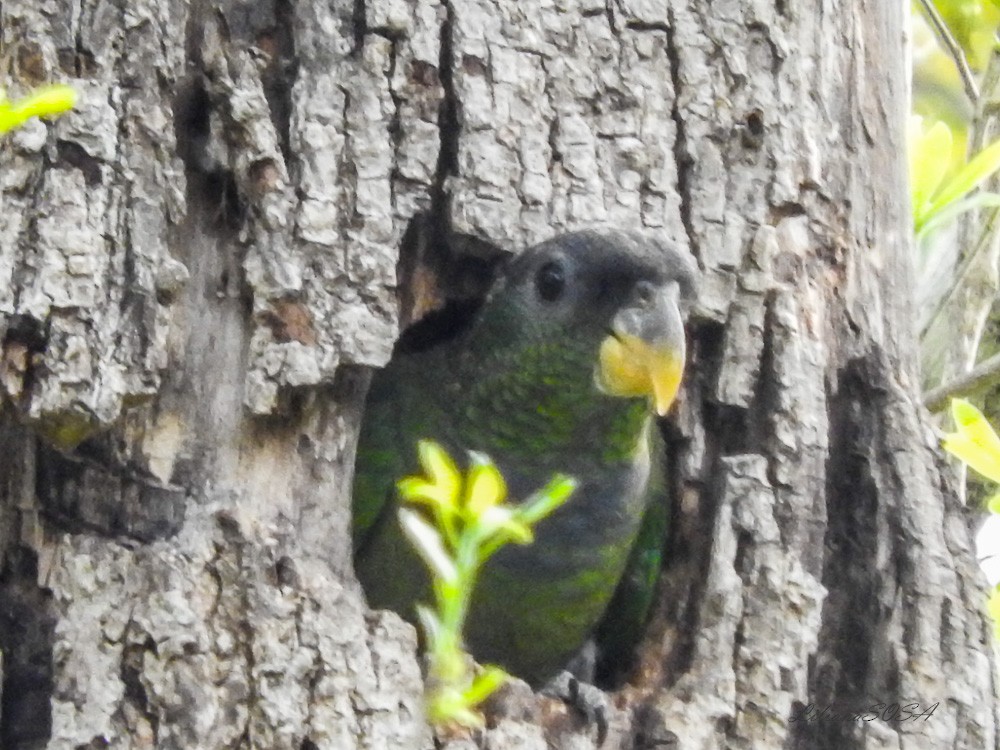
{"x":631,"y":367}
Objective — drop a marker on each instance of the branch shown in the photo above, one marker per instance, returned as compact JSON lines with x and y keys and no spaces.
{"x":951,"y":337}
{"x":953,"y":48}
{"x":982,"y":375}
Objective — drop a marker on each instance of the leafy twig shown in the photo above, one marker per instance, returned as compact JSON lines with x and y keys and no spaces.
{"x":470,"y":523}
{"x":952,"y":332}
{"x":977,"y":445}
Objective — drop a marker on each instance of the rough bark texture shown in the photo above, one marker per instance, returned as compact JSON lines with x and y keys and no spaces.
{"x":201,"y":261}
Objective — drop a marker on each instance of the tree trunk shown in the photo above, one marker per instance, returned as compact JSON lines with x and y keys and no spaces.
{"x":200,"y":266}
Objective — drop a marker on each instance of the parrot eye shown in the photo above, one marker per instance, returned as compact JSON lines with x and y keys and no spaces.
{"x":550,"y":281}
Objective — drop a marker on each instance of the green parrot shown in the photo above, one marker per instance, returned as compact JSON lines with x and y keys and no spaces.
{"x":578,"y":343}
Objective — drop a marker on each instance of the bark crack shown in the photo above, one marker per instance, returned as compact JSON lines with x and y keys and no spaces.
{"x":610,"y":12}
{"x":279,"y":76}
{"x":360,"y":25}
{"x":312,"y":676}
{"x":637,"y":25}
{"x":27,"y":636}
{"x":448,"y":130}
{"x":395,"y":127}
{"x":130,"y":672}
{"x":682,"y":156}
{"x":852,"y":633}
{"x":239,"y":615}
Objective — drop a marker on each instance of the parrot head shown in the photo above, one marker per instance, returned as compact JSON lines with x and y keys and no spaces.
{"x":617,"y":296}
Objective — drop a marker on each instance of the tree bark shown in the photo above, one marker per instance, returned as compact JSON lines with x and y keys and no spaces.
{"x":202,"y":262}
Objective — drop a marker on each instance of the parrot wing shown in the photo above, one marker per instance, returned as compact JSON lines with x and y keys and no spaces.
{"x":624,"y":622}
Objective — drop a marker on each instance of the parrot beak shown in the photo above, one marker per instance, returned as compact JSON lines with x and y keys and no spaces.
{"x":643,"y":355}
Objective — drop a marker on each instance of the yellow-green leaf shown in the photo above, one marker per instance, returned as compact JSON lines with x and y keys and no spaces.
{"x":45,"y":101}
{"x":485,"y":685}
{"x":982,"y":166}
{"x":419,"y":490}
{"x":504,"y":519}
{"x":951,"y":212}
{"x":427,"y":541}
{"x":929,"y":154}
{"x":447,"y":709}
{"x":485,"y":487}
{"x":441,"y":484}
{"x":974,"y":441}
{"x":993,"y":608}
{"x":545,"y":501}
{"x":439,"y":467}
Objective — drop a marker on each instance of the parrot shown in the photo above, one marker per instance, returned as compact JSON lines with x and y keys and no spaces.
{"x":576,"y":349}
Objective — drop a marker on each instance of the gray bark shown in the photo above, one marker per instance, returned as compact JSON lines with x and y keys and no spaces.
{"x":200,"y":264}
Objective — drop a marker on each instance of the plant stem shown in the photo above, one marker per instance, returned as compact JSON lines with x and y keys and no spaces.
{"x":981,"y":376}
{"x":453,"y":604}
{"x":953,"y":48}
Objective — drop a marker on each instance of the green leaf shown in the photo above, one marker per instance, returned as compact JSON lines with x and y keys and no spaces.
{"x":929,"y":154}
{"x":974,"y":440}
{"x":982,"y":166}
{"x":545,"y":501}
{"x":441,"y":482}
{"x":42,"y":102}
{"x":447,"y":709}
{"x":427,"y":541}
{"x":993,"y":607}
{"x":485,"y":685}
{"x":504,"y":519}
{"x":485,"y":486}
{"x":950,"y":213}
